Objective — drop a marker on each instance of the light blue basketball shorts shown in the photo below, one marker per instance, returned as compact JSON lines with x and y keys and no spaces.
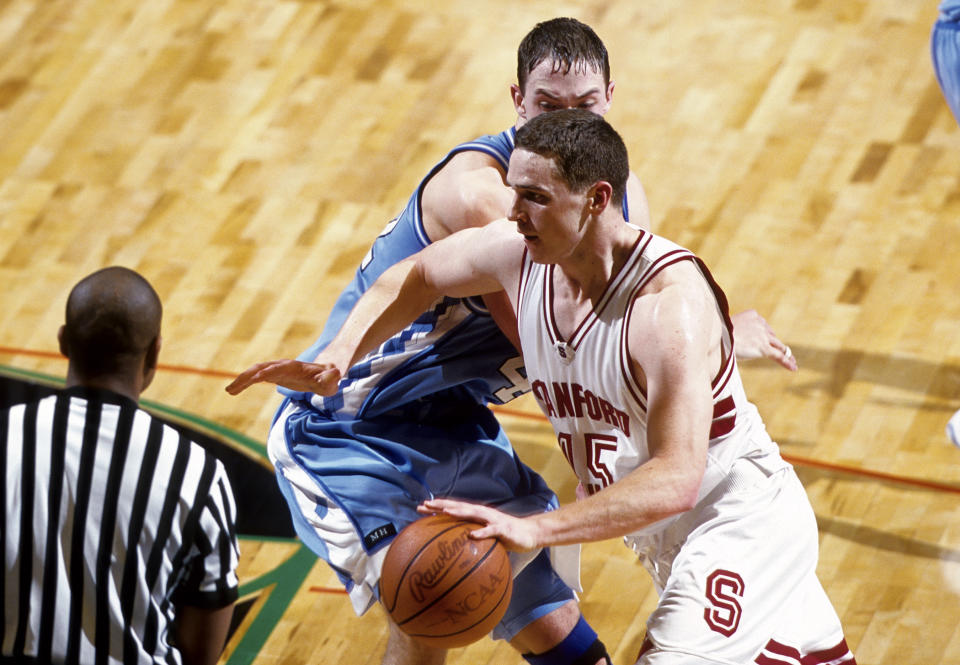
{"x":352,"y":485}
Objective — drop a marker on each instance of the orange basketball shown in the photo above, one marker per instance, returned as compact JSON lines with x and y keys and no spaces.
{"x":442,"y":587}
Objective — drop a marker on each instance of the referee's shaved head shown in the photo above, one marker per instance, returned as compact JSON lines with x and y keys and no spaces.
{"x":113,"y":320}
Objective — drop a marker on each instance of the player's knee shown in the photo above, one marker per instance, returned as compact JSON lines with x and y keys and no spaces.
{"x":580,"y":647}
{"x":538,"y":592}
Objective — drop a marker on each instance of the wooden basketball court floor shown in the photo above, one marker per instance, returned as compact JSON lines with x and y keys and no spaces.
{"x":242,"y":154}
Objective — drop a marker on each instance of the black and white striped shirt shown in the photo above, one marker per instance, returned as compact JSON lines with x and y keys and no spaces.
{"x":112,"y":519}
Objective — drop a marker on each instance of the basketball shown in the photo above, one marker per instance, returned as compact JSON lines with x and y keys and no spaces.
{"x":442,"y":587}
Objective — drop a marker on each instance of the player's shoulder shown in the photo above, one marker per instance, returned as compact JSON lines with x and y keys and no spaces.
{"x":475,"y":173}
{"x":498,"y":236}
{"x":468,"y":191}
{"x":672,"y":308}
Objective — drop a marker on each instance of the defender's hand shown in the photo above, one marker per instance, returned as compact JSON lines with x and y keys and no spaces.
{"x":754,"y":338}
{"x":319,"y":378}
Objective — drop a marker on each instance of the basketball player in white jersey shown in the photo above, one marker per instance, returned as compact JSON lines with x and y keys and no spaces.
{"x":628,"y":346}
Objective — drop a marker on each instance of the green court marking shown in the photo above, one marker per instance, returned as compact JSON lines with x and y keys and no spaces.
{"x":201,"y":423}
{"x":37,"y":376}
{"x":287,"y":579}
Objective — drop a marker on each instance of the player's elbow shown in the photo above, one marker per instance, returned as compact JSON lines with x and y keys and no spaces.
{"x":686,"y":488}
{"x":407,"y":285}
{"x":687,"y":495}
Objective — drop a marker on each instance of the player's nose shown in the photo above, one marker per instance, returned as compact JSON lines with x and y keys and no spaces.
{"x":515,"y":211}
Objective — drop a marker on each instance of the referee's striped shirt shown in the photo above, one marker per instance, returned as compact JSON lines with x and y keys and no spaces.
{"x":111,"y":520}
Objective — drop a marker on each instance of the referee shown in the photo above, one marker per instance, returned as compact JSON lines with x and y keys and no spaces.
{"x":118,"y":535}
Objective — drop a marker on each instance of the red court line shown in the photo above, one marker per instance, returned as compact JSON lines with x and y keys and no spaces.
{"x":877,"y":475}
{"x":807,"y":462}
{"x":798,"y":461}
{"x":184,"y":369}
{"x":326,"y":589}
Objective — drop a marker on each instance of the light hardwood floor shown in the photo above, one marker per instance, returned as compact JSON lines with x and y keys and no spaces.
{"x":242,"y":154}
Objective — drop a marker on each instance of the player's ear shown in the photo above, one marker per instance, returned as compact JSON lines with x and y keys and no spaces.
{"x":516,"y":95}
{"x":608,"y":98}
{"x":599,"y":196}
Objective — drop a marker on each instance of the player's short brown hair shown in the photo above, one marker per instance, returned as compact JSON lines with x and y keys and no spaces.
{"x":568,"y":43}
{"x":583,"y":146}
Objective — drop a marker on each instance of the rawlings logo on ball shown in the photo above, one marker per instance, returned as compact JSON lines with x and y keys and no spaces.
{"x":423,"y":580}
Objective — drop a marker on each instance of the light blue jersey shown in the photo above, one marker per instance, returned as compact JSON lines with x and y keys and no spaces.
{"x":452,"y":353}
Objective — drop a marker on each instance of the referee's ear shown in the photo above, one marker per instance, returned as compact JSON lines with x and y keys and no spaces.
{"x":62,"y":341}
{"x":150,"y":361}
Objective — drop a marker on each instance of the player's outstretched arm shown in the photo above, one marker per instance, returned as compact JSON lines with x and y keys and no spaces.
{"x":391,"y":303}
{"x":464,"y":264}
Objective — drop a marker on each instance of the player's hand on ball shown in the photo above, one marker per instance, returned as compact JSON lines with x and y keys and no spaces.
{"x":516,"y":533}
{"x":319,"y":378}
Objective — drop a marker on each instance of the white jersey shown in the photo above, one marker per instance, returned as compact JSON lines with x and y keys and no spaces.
{"x":587,"y":390}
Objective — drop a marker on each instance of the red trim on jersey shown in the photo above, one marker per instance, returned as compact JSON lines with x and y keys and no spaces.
{"x":585,"y":326}
{"x":645,"y":647}
{"x":591,"y":318}
{"x":615,"y":282}
{"x":839,"y":654}
{"x":722,"y":427}
{"x":779,"y":649}
{"x":721,"y":298}
{"x":553,"y":332}
{"x":723,"y":376}
{"x":724,"y":417}
{"x":636,"y":253}
{"x":665,"y":261}
{"x":764,"y":659}
{"x":526,"y":267}
{"x":630,"y":379}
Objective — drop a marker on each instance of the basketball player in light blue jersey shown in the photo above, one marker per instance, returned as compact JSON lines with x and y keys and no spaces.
{"x":945,"y":49}
{"x":410,"y":421}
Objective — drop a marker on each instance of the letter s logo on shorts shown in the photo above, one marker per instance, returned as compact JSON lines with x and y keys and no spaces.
{"x":724,"y":590}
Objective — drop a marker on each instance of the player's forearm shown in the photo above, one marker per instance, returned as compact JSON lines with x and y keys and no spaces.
{"x":654,"y":491}
{"x":395,"y":300}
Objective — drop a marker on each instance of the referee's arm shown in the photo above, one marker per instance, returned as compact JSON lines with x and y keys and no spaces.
{"x":203,"y":604}
{"x":202,"y":633}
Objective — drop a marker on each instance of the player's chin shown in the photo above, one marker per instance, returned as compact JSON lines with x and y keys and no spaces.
{"x":532,"y":242}
{"x":537,"y":252}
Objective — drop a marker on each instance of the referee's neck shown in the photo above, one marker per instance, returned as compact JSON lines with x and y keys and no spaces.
{"x":113,"y":383}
